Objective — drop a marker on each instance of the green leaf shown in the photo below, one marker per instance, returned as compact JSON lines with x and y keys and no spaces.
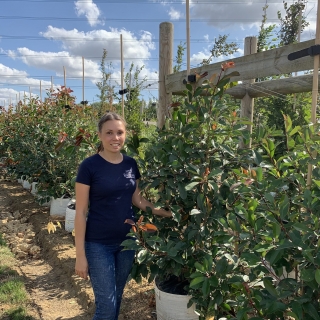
{"x":135,"y":141}
{"x":288,"y":123}
{"x":141,"y":256}
{"x":307,"y":275}
{"x":196,"y":281}
{"x":276,"y":228}
{"x":311,"y":310}
{"x":199,"y":267}
{"x":274,"y":255}
{"x":301,"y":227}
{"x":196,"y":275}
{"x":269,"y":287}
{"x":182,"y":191}
{"x":317,"y":276}
{"x":297,"y":309}
{"x":251,"y":258}
{"x":182,"y":117}
{"x":257,"y":157}
{"x":214,"y":282}
{"x":259,"y":173}
{"x":206,"y":288}
{"x":294,"y":131}
{"x":194,"y":211}
{"x":221,"y":266}
{"x":191,"y":185}
{"x":284,"y":207}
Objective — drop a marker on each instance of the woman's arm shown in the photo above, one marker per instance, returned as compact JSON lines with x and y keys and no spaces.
{"x":140,"y":202}
{"x":82,"y":201}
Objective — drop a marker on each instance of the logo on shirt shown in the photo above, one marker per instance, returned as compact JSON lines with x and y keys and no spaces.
{"x":130,"y":175}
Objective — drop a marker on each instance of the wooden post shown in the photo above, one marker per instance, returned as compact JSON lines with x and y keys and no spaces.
{"x":65,"y":84}
{"x":296,"y":73}
{"x":247,"y":103}
{"x":83,"y":80}
{"x":165,"y":68}
{"x":40,"y":91}
{"x":314,"y":88}
{"x":121,"y":54}
{"x":188,"y":36}
{"x":64,"y":77}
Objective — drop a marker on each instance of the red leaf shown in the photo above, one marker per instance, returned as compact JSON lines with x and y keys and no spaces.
{"x":129,"y":221}
{"x":148,"y":227}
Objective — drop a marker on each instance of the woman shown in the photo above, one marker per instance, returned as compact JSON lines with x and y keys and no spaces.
{"x":108,"y":181}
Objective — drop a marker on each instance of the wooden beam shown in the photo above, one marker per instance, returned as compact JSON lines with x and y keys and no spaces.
{"x":258,"y":65}
{"x":275,"y":87}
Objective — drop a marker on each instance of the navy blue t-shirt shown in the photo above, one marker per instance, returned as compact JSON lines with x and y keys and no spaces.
{"x":110,"y":197}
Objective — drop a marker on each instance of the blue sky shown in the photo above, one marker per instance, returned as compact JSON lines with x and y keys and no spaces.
{"x":40,"y":37}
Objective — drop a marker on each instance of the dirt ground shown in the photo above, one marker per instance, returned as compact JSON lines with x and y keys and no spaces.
{"x":46,"y":261}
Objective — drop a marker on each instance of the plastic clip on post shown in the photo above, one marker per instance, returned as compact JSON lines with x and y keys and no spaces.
{"x":192,"y":78}
{"x":124,"y":91}
{"x":312,"y":51}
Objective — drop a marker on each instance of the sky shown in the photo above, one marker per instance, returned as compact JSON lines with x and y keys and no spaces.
{"x":41,"y":40}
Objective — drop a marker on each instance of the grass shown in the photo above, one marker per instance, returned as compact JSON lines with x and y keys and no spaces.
{"x":13,"y":295}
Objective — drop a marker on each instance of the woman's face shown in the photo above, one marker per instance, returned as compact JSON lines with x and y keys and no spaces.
{"x":113,"y":135}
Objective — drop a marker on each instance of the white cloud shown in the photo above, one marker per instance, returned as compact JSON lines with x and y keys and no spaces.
{"x":6,"y":95}
{"x":77,"y":44}
{"x":91,"y":44}
{"x":175,"y":14}
{"x":14,"y":77}
{"x":55,"y":61}
{"x":17,"y":77}
{"x":90,"y":10}
{"x":206,"y":37}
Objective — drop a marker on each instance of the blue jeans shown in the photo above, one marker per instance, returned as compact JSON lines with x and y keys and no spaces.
{"x":109,"y":268}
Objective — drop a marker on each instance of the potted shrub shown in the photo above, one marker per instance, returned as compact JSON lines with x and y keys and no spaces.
{"x":243,"y":220}
{"x":187,"y":166}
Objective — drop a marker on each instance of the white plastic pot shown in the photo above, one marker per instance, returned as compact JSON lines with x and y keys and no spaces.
{"x":58,"y":206}
{"x":70,"y":215}
{"x":173,"y":306}
{"x":26,"y":184}
{"x":34,"y":188}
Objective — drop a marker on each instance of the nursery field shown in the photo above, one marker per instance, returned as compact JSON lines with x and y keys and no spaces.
{"x":45,"y":262}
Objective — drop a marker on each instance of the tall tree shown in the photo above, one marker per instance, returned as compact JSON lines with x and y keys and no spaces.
{"x":265,"y":34}
{"x":134,"y":85}
{"x":106,"y":94}
{"x":179,"y":57}
{"x":290,"y":23}
{"x":221,"y":48}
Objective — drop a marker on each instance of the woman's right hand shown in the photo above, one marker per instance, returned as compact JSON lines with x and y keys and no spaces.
{"x":81,"y":267}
